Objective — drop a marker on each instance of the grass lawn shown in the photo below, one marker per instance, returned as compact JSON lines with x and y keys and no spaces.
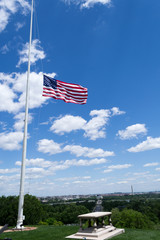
{"x":59,"y":233}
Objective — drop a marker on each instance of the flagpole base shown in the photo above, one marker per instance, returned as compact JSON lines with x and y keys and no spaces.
{"x":19,"y":225}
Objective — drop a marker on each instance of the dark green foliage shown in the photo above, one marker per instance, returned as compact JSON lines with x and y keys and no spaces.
{"x":109,"y":204}
{"x":69,"y":215}
{"x":53,"y":211}
{"x":8,"y":210}
{"x":64,"y":213}
{"x":130,"y":219}
{"x":148,"y":207}
{"x":33,"y":210}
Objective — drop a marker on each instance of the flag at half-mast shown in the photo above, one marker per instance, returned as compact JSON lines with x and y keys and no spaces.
{"x":67,"y":92}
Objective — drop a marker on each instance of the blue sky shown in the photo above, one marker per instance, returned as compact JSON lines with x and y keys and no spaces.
{"x":112,"y":142}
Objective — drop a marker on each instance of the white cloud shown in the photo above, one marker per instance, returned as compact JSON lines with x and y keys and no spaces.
{"x":88,"y":3}
{"x":25,"y":5}
{"x":3,"y":125}
{"x":149,"y":144}
{"x":4,"y":16}
{"x":7,"y":99}
{"x":11,"y":141}
{"x":91,"y":3}
{"x":72,"y":178}
{"x":36,"y":53}
{"x":19,"y":25}
{"x":11,"y":170}
{"x":13,"y":91}
{"x":36,"y":162}
{"x":9,"y":7}
{"x":39,"y":162}
{"x":19,"y":124}
{"x":40,"y":166}
{"x":132,"y":131}
{"x":37,"y":170}
{"x":49,"y":146}
{"x":9,"y":179}
{"x":84,"y":163}
{"x":107,"y":170}
{"x":116,"y":111}
{"x":141,"y":173}
{"x":115,"y":167}
{"x":67,"y":124}
{"x":102,"y":113}
{"x":87,"y":152}
{"x":89,"y":183}
{"x":157,"y":169}
{"x":122,"y":182}
{"x":151,"y":164}
{"x":95,"y":128}
{"x":7,"y":78}
{"x":120,"y":166}
{"x":35,"y":91}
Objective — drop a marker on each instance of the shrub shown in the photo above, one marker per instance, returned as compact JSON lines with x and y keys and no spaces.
{"x":42,"y":223}
{"x":51,"y":221}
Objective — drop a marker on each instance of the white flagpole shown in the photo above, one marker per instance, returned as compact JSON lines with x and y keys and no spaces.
{"x":21,"y":192}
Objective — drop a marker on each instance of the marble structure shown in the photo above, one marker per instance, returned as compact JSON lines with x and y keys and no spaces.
{"x":96,"y":229}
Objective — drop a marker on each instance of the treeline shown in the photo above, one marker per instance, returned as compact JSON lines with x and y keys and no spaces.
{"x":37,"y":213}
{"x":137,"y":213}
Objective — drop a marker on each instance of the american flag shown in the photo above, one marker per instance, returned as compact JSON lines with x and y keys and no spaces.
{"x":67,"y":92}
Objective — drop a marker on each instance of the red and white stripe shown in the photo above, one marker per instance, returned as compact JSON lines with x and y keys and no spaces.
{"x":67,"y":92}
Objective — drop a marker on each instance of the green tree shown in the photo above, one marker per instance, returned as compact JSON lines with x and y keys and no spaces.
{"x":131,"y":219}
{"x":33,"y":210}
{"x":8,"y":210}
{"x":69,"y":215}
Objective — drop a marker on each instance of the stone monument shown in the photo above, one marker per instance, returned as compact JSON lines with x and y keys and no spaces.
{"x":96,"y":229}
